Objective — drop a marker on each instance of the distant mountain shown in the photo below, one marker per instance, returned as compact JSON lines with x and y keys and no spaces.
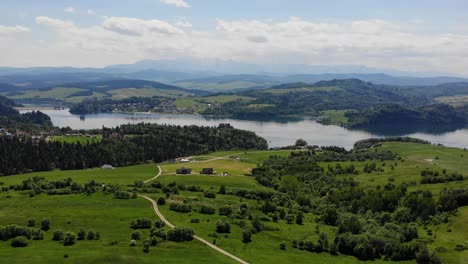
{"x":112,"y":89}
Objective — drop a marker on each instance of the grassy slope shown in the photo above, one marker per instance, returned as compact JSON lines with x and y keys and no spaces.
{"x":265,"y":246}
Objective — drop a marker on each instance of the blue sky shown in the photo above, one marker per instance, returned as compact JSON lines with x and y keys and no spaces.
{"x":425,"y":36}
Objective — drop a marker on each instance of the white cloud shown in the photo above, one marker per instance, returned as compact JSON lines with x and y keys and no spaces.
{"x":52,"y":22}
{"x":6,"y":30}
{"x":70,"y":9}
{"x":91,"y":12}
{"x":139,"y":27}
{"x":372,"y":43}
{"x":178,"y":3}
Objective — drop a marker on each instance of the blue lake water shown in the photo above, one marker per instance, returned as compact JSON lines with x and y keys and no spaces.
{"x":277,"y":133}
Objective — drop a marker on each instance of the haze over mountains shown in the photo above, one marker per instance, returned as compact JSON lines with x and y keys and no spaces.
{"x":214,"y":75}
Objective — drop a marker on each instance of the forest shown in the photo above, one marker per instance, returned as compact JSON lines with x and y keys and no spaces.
{"x":148,"y":142}
{"x":372,"y":223}
{"x":10,"y":118}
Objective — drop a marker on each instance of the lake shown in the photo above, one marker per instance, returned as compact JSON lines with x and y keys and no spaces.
{"x":277,"y":133}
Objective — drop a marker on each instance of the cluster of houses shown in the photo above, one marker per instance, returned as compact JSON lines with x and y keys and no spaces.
{"x":23,"y":134}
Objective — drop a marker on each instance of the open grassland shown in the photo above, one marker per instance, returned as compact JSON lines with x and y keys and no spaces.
{"x":54,"y":93}
{"x":456,"y":100}
{"x":111,"y":217}
{"x":106,"y":215}
{"x":220,"y":86}
{"x":76,"y":139}
{"x":336,"y":116}
{"x":124,"y":93}
{"x":121,"y":176}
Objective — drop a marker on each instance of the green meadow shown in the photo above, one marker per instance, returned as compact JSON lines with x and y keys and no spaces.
{"x":111,"y":217}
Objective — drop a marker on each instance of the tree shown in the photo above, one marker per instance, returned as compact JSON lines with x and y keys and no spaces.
{"x":45,"y":224}
{"x":257,"y":226}
{"x":246,"y":236}
{"x":81,"y":235}
{"x":31,"y":222}
{"x":223,"y":227}
{"x":146,"y":246}
{"x":19,"y":241}
{"x":222,"y":189}
{"x":69,"y":239}
{"x":159,"y":224}
{"x":58,"y":235}
{"x":206,"y":209}
{"x":299,"y":218}
{"x":300,"y":143}
{"x":136,"y":235}
{"x":330,"y":216}
{"x":161,"y":201}
{"x":91,"y":234}
{"x":283,"y":246}
{"x":180,"y":234}
{"x":225,"y":210}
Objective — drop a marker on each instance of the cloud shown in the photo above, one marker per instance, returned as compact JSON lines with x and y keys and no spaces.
{"x":139,"y":27}
{"x":371,"y":43}
{"x":178,"y":3}
{"x":91,"y":12}
{"x":6,"y":30}
{"x":52,"y":22}
{"x":70,"y":9}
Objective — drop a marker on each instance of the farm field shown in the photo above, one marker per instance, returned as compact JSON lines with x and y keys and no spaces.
{"x":112,"y":217}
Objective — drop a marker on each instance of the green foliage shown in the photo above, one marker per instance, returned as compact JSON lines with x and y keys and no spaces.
{"x":223,"y":227}
{"x":180,"y":207}
{"x":180,"y":234}
{"x":206,"y":209}
{"x":141,"y":223}
{"x":69,"y":239}
{"x":19,"y":241}
{"x":58,"y":235}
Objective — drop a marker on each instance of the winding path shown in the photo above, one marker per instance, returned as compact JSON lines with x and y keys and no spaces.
{"x":161,"y":216}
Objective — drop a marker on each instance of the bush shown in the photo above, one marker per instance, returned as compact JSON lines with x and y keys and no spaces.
{"x":206,"y":209}
{"x":82,"y":234}
{"x":122,"y":195}
{"x":246,"y":236}
{"x":225,"y":210}
{"x":283,"y":246}
{"x":180,"y":234}
{"x":91,"y":235}
{"x":69,"y":239}
{"x":58,"y":235}
{"x":209,"y":194}
{"x":19,"y":241}
{"x":180,"y":207}
{"x":136,"y":235}
{"x":159,"y":224}
{"x":160,"y":233}
{"x":45,"y":224}
{"x":141,"y":223}
{"x":195,"y":221}
{"x":31,"y":222}
{"x":133,"y":243}
{"x":223,"y":227}
{"x":37,"y":234}
{"x":161,"y":201}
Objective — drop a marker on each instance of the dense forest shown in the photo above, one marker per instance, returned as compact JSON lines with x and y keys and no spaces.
{"x":371,"y":223}
{"x":148,"y":142}
{"x":10,"y":118}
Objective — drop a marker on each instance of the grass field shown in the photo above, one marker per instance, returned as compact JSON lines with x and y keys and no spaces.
{"x":76,"y":139}
{"x":456,"y":100}
{"x":111,"y":217}
{"x":303,"y":89}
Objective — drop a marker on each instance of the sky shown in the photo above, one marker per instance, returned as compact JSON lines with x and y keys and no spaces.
{"x":413,"y":36}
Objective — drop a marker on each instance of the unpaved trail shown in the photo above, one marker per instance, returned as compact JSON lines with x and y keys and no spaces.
{"x":161,"y":216}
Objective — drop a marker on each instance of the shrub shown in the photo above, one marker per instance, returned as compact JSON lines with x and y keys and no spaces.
{"x":223,"y":227}
{"x":246,"y":236}
{"x":19,"y":241}
{"x":161,"y":201}
{"x":91,"y":235}
{"x":195,"y":221}
{"x":31,"y":222}
{"x":81,"y":234}
{"x":69,"y":239}
{"x":180,"y":234}
{"x":283,"y":246}
{"x":225,"y":210}
{"x":141,"y":223}
{"x":58,"y":235}
{"x":180,"y":207}
{"x":45,"y":224}
{"x":136,"y":235}
{"x":206,"y":209}
{"x":122,"y":195}
{"x":37,"y":234}
{"x":209,"y":194}
{"x":133,"y":243}
{"x":159,"y":224}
